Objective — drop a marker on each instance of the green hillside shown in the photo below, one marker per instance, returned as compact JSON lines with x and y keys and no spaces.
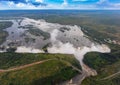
{"x":49,"y":72}
{"x":107,"y":65}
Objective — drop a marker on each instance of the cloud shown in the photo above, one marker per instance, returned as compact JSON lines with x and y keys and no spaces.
{"x":106,"y":4}
{"x":41,"y":1}
{"x":81,"y":0}
{"x":20,"y":3}
{"x":65,"y":3}
{"x":102,"y":2}
{"x":13,"y":5}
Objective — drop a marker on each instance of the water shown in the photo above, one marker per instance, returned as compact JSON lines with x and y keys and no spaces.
{"x":70,"y":41}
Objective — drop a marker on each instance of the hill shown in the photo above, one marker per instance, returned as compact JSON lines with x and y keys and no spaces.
{"x":107,"y":66}
{"x":49,"y":72}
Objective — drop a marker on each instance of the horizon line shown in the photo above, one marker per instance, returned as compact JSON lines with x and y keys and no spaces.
{"x":60,"y":9}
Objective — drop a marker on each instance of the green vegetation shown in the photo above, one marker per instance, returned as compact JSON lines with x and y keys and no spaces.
{"x":93,"y":81}
{"x":11,"y":49}
{"x":95,"y":35}
{"x":106,"y":64}
{"x":105,"y":24}
{"x":104,"y":72}
{"x":4,"y":34}
{"x":98,"y":60}
{"x":63,"y":29}
{"x":98,"y":24}
{"x":45,"y":48}
{"x":29,"y":39}
{"x":38,"y":32}
{"x":48,"y":73}
{"x":8,"y":60}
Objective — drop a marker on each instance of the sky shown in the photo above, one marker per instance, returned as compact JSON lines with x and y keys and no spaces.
{"x":60,"y":4}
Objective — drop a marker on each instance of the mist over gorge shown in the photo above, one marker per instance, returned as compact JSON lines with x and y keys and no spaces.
{"x":59,"y":42}
{"x":38,"y":36}
{"x":65,"y":39}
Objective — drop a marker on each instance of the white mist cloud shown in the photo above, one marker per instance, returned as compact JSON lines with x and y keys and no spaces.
{"x":65,"y":3}
{"x":78,"y":52}
{"x":23,"y":49}
{"x":58,"y":46}
{"x":68,"y":48}
{"x":81,"y":0}
{"x":12,"y":5}
{"x":20,"y":5}
{"x":41,"y":1}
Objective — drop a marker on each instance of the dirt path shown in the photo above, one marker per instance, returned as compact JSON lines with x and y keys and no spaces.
{"x":111,"y":76}
{"x":76,"y":79}
{"x":24,"y":66}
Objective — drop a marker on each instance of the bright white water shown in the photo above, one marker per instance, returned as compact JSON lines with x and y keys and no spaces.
{"x":64,"y":39}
